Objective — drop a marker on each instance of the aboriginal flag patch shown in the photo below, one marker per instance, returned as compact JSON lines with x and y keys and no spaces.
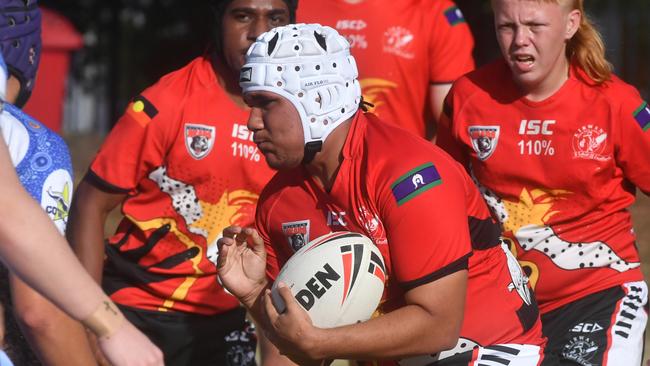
{"x":454,"y":16}
{"x":642,"y":116}
{"x":415,"y":182}
{"x":141,"y":110}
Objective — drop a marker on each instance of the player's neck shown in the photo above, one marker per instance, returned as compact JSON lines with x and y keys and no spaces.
{"x":228,"y":80}
{"x":550,"y":84}
{"x":13,"y":89}
{"x":326,"y":163}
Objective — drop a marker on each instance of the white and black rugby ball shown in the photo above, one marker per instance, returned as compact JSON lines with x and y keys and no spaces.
{"x":338,"y":278}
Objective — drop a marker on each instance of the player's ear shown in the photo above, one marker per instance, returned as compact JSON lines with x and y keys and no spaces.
{"x":573,"y":21}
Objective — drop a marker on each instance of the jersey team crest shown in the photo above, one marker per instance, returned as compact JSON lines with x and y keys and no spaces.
{"x":589,"y":143}
{"x":484,"y":140}
{"x":398,"y":41}
{"x":297,"y":233}
{"x":199,"y":139}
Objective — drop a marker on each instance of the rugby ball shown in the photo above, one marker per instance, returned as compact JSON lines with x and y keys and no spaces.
{"x":337,"y":278}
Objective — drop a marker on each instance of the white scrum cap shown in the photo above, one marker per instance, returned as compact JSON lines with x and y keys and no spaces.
{"x":311,"y":66}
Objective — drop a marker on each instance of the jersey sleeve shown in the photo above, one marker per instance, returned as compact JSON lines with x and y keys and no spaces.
{"x":262,"y":217}
{"x":14,"y":135}
{"x":633,"y":147}
{"x":450,"y":44}
{"x":42,"y":161}
{"x":426,"y":220}
{"x":138,"y":143}
{"x":446,"y":137}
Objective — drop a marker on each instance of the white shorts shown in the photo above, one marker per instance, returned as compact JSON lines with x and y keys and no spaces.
{"x":494,"y":355}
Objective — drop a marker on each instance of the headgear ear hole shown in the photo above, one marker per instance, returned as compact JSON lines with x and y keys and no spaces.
{"x":272,"y":43}
{"x":320,"y":40}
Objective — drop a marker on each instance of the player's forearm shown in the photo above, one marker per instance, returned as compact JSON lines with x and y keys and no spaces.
{"x":254,"y":304}
{"x":88,"y":244}
{"x":269,"y":354}
{"x":52,"y":268}
{"x":57,"y":274}
{"x":33,"y":249}
{"x":437,"y":95}
{"x":52,"y":334}
{"x":405,"y":332}
{"x":85,"y":232}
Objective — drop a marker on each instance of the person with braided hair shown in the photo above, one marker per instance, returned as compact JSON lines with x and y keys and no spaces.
{"x":182,"y":165}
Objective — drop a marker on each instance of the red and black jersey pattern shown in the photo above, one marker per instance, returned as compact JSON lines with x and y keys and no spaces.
{"x":184,"y":157}
{"x":442,"y":230}
{"x":558,"y":174}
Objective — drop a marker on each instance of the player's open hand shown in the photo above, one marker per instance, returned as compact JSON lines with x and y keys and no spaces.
{"x":129,"y":347}
{"x":242,"y":263}
{"x":292,"y":331}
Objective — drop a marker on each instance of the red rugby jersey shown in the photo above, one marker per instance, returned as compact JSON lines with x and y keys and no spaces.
{"x":401,"y":47}
{"x":559,"y":174}
{"x":418,"y":206}
{"x":183,"y":154}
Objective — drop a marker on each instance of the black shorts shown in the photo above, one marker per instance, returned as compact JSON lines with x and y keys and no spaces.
{"x":605,"y":328}
{"x":226,"y":339}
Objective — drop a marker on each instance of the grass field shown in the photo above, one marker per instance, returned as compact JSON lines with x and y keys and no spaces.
{"x":84,"y":147}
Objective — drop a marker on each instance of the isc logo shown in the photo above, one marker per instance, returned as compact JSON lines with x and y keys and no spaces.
{"x":350,"y":24}
{"x":317,"y":286}
{"x":241,"y":132}
{"x":536,"y":127}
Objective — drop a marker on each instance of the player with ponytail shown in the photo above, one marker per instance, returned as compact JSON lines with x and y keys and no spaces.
{"x":587,"y":49}
{"x":558,"y":146}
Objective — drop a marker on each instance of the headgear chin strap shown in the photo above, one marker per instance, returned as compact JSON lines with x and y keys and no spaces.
{"x":311,"y":66}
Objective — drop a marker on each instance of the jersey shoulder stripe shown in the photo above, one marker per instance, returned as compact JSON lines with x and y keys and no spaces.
{"x":642,"y":116}
{"x":415,"y":182}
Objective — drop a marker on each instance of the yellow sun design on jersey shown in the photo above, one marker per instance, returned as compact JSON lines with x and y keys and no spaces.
{"x":533,"y":208}
{"x":215,"y":217}
{"x":374,"y":91}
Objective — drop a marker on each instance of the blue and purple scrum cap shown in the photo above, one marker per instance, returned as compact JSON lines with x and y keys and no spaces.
{"x":20,"y":42}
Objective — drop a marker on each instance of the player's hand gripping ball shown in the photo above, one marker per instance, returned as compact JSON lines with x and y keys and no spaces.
{"x":338,"y":278}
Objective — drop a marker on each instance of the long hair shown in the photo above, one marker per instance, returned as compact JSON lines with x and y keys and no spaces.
{"x":586,"y":48}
